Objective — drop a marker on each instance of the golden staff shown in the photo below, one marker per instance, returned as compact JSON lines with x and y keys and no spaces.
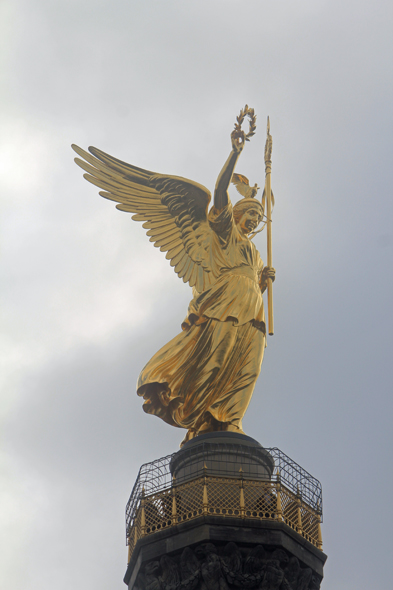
{"x":268,"y":191}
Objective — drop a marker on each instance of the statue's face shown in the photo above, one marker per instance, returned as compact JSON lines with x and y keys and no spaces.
{"x":250,"y":220}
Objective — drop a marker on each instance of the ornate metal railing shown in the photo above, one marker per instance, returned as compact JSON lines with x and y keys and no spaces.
{"x":291,"y":496}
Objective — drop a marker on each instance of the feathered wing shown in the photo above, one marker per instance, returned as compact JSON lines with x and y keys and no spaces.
{"x":173,"y":209}
{"x":241,"y":183}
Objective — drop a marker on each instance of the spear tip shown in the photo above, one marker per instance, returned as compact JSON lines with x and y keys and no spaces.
{"x":268,"y":125}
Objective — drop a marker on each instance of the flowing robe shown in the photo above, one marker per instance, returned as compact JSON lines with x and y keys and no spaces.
{"x":203,"y":379}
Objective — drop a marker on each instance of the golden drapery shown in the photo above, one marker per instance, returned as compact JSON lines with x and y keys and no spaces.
{"x":204,"y":378}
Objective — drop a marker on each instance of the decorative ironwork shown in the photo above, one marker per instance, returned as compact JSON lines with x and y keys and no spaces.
{"x":158,"y":501}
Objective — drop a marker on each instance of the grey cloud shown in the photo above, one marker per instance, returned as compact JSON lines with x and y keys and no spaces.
{"x":159,"y":84}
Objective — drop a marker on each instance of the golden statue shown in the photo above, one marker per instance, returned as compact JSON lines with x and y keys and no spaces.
{"x":203,"y":379}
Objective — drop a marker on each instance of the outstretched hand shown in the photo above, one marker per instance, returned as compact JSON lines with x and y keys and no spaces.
{"x":238,"y":140}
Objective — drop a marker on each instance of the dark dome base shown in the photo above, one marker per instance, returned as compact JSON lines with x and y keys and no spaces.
{"x":222,"y":454}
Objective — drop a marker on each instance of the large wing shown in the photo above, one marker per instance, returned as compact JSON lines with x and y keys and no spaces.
{"x":173,"y":209}
{"x":241,"y":183}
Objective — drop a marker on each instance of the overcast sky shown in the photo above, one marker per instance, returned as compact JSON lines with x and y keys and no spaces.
{"x":86,"y":299}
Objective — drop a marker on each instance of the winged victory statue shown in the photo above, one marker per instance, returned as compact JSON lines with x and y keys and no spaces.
{"x":203,"y":379}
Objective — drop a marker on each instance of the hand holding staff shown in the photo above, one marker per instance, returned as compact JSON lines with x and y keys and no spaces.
{"x":268,"y":191}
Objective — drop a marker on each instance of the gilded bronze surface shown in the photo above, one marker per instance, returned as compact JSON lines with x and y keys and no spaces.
{"x":203,"y":379}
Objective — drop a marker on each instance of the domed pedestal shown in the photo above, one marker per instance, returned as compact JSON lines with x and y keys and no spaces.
{"x":222,"y":454}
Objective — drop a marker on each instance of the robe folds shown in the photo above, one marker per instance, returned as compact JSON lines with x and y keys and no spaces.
{"x":203,"y":379}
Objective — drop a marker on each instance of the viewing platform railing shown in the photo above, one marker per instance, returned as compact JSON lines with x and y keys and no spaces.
{"x":291,"y":496}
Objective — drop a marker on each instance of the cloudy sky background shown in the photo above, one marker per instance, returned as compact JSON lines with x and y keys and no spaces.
{"x":86,"y":299}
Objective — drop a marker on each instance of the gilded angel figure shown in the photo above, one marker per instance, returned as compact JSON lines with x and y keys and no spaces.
{"x":203,"y":379}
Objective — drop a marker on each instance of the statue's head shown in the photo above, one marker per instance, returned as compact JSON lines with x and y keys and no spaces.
{"x":247,"y":214}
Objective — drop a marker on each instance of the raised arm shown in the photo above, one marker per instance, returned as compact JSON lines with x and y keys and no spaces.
{"x":221,"y":197}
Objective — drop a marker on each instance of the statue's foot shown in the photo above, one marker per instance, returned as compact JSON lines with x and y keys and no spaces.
{"x":233,"y":428}
{"x":190,"y":434}
{"x":212,"y":425}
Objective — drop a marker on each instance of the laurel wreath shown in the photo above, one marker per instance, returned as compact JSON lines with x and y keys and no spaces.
{"x":238,"y":133}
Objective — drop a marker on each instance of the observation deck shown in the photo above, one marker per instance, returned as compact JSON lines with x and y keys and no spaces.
{"x":224,"y":478}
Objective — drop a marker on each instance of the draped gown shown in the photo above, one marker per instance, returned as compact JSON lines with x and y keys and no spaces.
{"x":203,"y":379}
